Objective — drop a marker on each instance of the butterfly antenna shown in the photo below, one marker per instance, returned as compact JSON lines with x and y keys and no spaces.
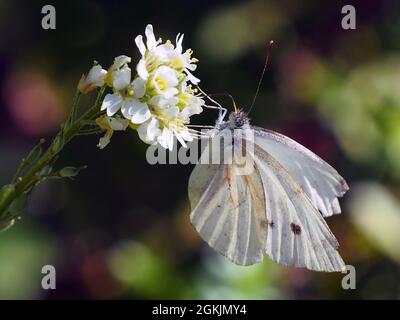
{"x":227,"y":95}
{"x":269,"y":47}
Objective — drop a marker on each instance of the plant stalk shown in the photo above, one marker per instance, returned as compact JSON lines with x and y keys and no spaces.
{"x":65,"y":135}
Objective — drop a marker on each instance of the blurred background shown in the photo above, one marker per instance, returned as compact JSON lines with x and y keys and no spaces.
{"x":122,"y":229}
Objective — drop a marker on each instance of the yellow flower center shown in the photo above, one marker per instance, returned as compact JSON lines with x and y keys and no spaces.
{"x":161,"y":83}
{"x":183,"y":100}
{"x":177,"y":64}
{"x":165,"y":121}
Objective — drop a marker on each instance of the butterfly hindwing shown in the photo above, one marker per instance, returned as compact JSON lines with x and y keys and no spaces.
{"x":298,"y":234}
{"x":318,"y":179}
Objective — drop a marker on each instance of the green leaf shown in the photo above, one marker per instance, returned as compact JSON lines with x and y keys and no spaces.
{"x":66,"y":172}
{"x":70,"y":172}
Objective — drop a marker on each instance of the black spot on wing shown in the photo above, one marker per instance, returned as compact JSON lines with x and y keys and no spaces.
{"x":271,"y":224}
{"x":296,"y":229}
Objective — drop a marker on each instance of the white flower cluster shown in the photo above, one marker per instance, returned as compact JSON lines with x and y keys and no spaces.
{"x":157,"y":100}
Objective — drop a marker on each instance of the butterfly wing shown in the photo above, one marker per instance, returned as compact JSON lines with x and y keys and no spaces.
{"x":228,"y":211}
{"x":319,"y":180}
{"x":298,"y":234}
{"x":243,"y":216}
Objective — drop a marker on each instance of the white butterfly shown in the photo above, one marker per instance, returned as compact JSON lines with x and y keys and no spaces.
{"x":272,"y":209}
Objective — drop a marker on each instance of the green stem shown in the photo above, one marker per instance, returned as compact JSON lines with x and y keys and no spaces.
{"x":66,"y":134}
{"x":26,"y":161}
{"x":74,"y":109}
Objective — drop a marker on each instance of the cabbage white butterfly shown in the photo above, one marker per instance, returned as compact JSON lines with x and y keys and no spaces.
{"x":277,"y":208}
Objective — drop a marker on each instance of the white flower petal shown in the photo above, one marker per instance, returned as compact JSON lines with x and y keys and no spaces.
{"x":96,"y":75}
{"x":192,"y":78}
{"x":110,"y":124}
{"x":118,"y":124}
{"x":179,"y":40}
{"x":94,"y":78}
{"x":181,"y":140}
{"x":162,"y":139}
{"x":139,"y":87}
{"x":103,"y":142}
{"x":140,"y":44}
{"x":192,"y":107}
{"x":164,"y":51}
{"x":120,"y":61}
{"x":153,"y":129}
{"x":151,"y":40}
{"x":113,"y":109}
{"x":163,"y":102}
{"x":168,"y":74}
{"x":191,"y":67}
{"x":121,"y":78}
{"x":171,"y":112}
{"x":140,"y":112}
{"x":141,"y":69}
{"x":126,"y":108}
{"x":149,"y":131}
{"x":142,"y":132}
{"x":170,"y":92}
{"x":170,"y":140}
{"x":111,"y":103}
{"x":166,"y":139}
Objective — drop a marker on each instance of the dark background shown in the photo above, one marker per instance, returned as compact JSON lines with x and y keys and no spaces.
{"x":122,"y":229}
